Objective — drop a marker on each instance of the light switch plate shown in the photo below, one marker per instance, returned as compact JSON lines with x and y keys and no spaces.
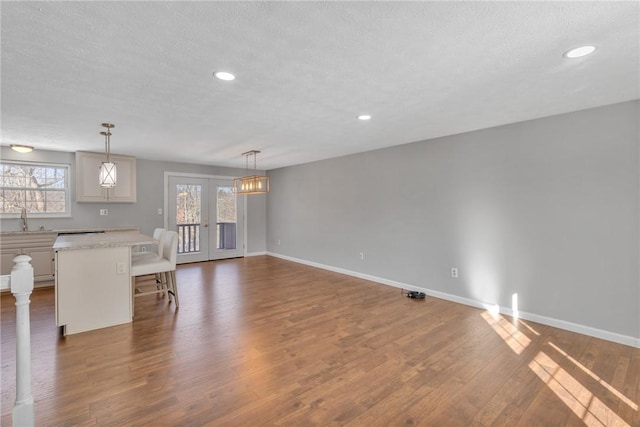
{"x":121,"y":268}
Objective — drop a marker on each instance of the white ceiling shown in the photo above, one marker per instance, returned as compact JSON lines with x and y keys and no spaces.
{"x":304,"y":71}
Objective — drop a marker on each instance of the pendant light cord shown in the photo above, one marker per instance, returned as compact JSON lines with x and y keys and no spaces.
{"x":107,"y":139}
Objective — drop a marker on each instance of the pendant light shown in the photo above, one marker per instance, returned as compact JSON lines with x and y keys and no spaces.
{"x":107,"y":175}
{"x":251,"y":184}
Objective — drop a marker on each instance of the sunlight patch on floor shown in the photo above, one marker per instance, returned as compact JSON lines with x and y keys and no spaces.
{"x":591,"y":410}
{"x":606,"y":385}
{"x":533,"y":331}
{"x":515,"y":339}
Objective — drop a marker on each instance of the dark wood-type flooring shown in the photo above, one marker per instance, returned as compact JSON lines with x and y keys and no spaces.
{"x":263,"y":341}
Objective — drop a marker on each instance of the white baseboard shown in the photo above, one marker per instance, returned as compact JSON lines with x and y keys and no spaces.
{"x":549,"y":321}
{"x":255,"y":253}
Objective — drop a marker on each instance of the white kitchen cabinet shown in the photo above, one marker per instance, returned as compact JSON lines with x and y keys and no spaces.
{"x":7,"y":254}
{"x":38,"y":245}
{"x":88,"y":188}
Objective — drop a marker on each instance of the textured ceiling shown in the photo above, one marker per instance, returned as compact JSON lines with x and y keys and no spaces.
{"x":304,"y":71}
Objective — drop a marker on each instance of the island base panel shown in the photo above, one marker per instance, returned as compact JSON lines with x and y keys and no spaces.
{"x":93,"y":288}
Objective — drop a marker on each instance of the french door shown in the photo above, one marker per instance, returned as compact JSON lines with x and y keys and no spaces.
{"x":208,"y":216}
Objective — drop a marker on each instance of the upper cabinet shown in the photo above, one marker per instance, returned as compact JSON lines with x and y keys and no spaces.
{"x":87,"y":187}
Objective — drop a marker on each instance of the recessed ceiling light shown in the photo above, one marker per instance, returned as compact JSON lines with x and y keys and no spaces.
{"x":580,"y":51}
{"x":21,"y":148}
{"x":223,"y":75}
{"x":364,"y":117}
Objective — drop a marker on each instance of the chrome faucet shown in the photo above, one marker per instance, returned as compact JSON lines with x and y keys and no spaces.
{"x":23,"y":217}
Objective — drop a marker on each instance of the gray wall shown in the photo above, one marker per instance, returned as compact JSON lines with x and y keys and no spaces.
{"x":150,"y":195}
{"x":547,"y":209}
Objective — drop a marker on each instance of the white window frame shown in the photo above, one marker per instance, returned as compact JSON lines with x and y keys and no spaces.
{"x":66,"y":189}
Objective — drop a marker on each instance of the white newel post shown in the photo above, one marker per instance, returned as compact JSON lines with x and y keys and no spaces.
{"x":21,"y":288}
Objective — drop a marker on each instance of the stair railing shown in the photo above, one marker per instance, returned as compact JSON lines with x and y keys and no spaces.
{"x":21,"y":288}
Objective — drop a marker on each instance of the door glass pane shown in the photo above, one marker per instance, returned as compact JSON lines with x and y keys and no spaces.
{"x":188,"y":209}
{"x":226,"y":218}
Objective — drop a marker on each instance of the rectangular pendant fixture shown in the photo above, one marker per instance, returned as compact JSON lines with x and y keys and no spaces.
{"x":251,"y":184}
{"x":254,"y":184}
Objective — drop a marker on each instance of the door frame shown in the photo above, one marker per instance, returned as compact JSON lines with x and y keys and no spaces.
{"x":165,"y":209}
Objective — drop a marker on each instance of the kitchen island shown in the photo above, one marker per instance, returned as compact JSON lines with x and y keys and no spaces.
{"x":93,"y":280}
{"x":38,"y":244}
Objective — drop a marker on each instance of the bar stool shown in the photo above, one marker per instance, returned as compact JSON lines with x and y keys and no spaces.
{"x":164,"y":266}
{"x":158,"y":234}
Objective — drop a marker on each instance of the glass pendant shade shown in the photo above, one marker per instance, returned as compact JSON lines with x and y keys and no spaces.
{"x":251,"y":184}
{"x":108,"y":175}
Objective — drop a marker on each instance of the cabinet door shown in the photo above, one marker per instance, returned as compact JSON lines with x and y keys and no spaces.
{"x":125,"y":189}
{"x":87,"y":188}
{"x":35,"y":244}
{"x":87,"y":185}
{"x":7,"y":256}
{"x":42,"y":262}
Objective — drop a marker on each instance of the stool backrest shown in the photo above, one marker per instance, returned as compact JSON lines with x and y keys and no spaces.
{"x":158,"y":234}
{"x":170,"y":247}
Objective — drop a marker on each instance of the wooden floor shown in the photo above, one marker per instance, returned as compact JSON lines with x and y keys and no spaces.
{"x":263,"y":341}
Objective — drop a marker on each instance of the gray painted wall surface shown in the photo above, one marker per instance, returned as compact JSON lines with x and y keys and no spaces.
{"x":547,"y":209}
{"x":150,"y":195}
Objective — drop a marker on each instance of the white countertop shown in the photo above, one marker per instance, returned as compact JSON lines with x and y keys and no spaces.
{"x":69,"y":230}
{"x":27,"y":233}
{"x":109,"y":239}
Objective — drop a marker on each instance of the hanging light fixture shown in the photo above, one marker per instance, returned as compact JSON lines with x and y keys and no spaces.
{"x":251,"y":184}
{"x":107,"y":175}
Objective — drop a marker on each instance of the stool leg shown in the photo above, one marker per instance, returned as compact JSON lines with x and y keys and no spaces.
{"x":167,"y":275}
{"x":160,"y":284}
{"x":174,"y":286}
{"x":133,"y":294}
{"x":168,"y":286}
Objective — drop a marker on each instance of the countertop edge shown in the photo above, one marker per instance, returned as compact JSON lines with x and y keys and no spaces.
{"x":68,"y":231}
{"x":111,"y":239}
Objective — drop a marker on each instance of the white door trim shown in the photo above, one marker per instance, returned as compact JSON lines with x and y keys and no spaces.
{"x":167,"y":174}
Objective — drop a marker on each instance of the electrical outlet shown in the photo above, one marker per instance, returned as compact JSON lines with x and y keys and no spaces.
{"x":104,"y":212}
{"x":361,"y":256}
{"x":454,"y":272}
{"x":278,"y":241}
{"x":159,"y":211}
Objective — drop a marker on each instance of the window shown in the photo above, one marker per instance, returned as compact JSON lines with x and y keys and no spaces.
{"x":43,"y":189}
